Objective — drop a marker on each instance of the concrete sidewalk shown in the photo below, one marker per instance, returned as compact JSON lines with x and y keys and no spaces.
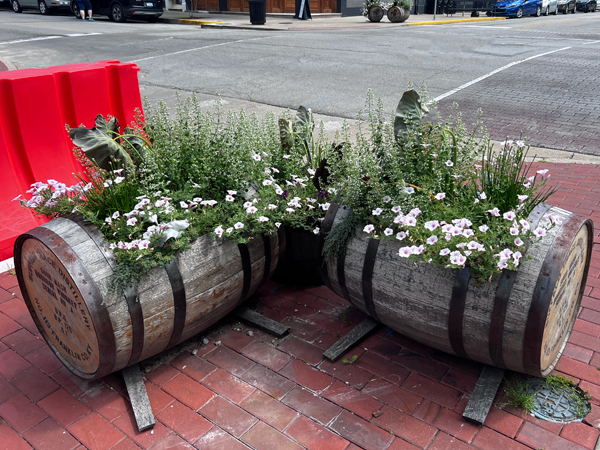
{"x":281,"y":22}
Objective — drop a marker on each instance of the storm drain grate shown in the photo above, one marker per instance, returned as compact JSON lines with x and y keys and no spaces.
{"x":558,"y":403}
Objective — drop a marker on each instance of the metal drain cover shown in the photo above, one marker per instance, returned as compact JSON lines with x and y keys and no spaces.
{"x":558,"y":404}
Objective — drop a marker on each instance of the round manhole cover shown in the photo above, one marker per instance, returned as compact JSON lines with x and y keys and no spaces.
{"x":558,"y":400}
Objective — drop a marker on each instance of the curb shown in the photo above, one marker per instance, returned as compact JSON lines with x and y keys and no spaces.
{"x":442,"y":22}
{"x":6,"y":65}
{"x":199,"y":22}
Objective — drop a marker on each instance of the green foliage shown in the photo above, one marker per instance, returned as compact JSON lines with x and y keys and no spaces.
{"x":520,"y":395}
{"x":339,"y":236}
{"x":351,"y":360}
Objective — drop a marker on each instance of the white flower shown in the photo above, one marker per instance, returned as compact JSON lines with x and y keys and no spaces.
{"x":510,"y":215}
{"x":444,"y":251}
{"x":405,"y":252}
{"x":522,"y":198}
{"x":267,"y":182}
{"x":119,"y":179}
{"x":520,"y":144}
{"x":494,"y":212}
{"x":506,"y":144}
{"x":325,"y":206}
{"x":115,"y":215}
{"x":316,"y":230}
{"x":108,"y":220}
{"x":414,"y":212}
{"x":263,"y":219}
{"x":432,"y":240}
{"x":540,"y":232}
{"x":502,"y":264}
{"x":286,"y":156}
{"x":473,"y":245}
{"x":387,"y":199}
{"x":219,"y":231}
{"x":377,"y":211}
{"x":514,"y":231}
{"x":401,"y":235}
{"x":440,"y":196}
{"x":483,"y":196}
{"x":524,"y":225}
{"x":516,"y":256}
{"x":519,"y":242}
{"x":476,"y":201}
{"x":184,"y":205}
{"x":396,"y":209}
{"x":229,"y":192}
{"x":410,"y":221}
{"x":256,"y":157}
{"x":131,"y":222}
{"x":409,"y":190}
{"x":229,"y":230}
{"x":160,"y":203}
{"x":278,"y":190}
{"x":277,"y":224}
{"x":238,"y":225}
{"x":431,"y":225}
{"x":290,"y":210}
{"x":251,"y":210}
{"x":143,"y":244}
{"x":505,"y":254}
{"x":229,"y":198}
{"x":369,"y":228}
{"x":543,"y":172}
{"x":449,"y":163}
{"x":417,"y":250}
{"x":388,"y":231}
{"x":468,"y":232}
{"x":209,"y":202}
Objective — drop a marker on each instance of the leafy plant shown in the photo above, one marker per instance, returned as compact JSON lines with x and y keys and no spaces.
{"x":404,"y":4}
{"x":351,"y":360}
{"x":519,"y":394}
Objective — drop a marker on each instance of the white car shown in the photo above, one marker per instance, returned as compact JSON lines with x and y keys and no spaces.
{"x":44,"y":6}
{"x":549,"y":6}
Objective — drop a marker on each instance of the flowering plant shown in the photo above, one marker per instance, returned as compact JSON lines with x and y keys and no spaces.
{"x":440,"y":192}
{"x":188,"y":176}
{"x":369,"y":3}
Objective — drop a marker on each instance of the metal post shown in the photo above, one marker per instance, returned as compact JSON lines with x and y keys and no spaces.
{"x":434,"y":8}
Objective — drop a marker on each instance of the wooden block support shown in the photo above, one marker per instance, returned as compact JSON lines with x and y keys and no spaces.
{"x":483,"y":395}
{"x":138,"y":397}
{"x":349,"y":340}
{"x":262,"y":322}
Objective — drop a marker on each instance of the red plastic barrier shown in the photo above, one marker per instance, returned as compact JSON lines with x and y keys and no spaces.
{"x":35,"y":106}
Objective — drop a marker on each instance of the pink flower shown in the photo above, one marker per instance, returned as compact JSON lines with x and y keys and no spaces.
{"x":131,"y":222}
{"x":219,"y":231}
{"x":540,"y":232}
{"x":444,"y":251}
{"x":514,"y":231}
{"x":432,"y":240}
{"x":519,"y":242}
{"x":409,"y":190}
{"x":494,"y":212}
{"x":502,"y":264}
{"x":401,"y":235}
{"x":316,"y":230}
{"x":325,"y":206}
{"x":431,"y":225}
{"x":543,"y":172}
{"x":396,"y":209}
{"x":229,"y":198}
{"x":449,"y":163}
{"x":388,"y":231}
{"x":267,"y":183}
{"x":377,"y":211}
{"x":440,"y":196}
{"x":263,"y":219}
{"x":238,"y":225}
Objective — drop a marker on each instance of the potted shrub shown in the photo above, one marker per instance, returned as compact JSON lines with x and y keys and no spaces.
{"x":452,"y":244}
{"x":174,"y":223}
{"x":374,"y":10}
{"x":399,"y":11}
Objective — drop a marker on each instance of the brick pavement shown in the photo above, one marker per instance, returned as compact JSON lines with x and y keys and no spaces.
{"x":263,"y":393}
{"x":547,"y":100}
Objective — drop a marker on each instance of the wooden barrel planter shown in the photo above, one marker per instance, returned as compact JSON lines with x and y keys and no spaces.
{"x":299,"y":260}
{"x":398,"y":15}
{"x":520,"y":320}
{"x":64,"y":269}
{"x":375,"y":13}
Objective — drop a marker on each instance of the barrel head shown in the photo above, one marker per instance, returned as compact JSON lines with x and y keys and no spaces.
{"x":58,"y":308}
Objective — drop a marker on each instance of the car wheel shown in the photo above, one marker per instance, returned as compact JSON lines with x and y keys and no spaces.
{"x":538,"y":11}
{"x":566,"y":11}
{"x":76,"y":10}
{"x":519,"y":13}
{"x":547,"y":12}
{"x":116,"y":13}
{"x":574,"y":8}
{"x":44,"y":8}
{"x":16,"y":7}
{"x":556,"y":11}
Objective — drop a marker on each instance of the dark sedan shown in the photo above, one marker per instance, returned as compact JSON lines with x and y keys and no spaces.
{"x":121,"y":10}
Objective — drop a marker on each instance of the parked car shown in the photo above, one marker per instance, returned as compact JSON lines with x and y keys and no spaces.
{"x":121,"y":10}
{"x":549,"y":6}
{"x":517,"y":8}
{"x":586,"y":5}
{"x":44,"y":6}
{"x":564,"y":6}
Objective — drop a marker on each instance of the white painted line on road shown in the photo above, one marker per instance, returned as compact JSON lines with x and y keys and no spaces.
{"x":30,"y":40}
{"x":83,"y":34}
{"x":493,"y":72}
{"x":202,"y":48}
{"x":479,"y":26}
{"x":593,"y":42}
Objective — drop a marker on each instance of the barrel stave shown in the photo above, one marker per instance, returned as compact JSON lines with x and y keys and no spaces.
{"x":156,"y":299}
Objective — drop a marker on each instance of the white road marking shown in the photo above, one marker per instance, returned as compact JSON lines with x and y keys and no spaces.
{"x":593,"y":42}
{"x":202,"y":48}
{"x":493,"y":72}
{"x":30,"y":40}
{"x":45,"y":38}
{"x":479,"y":26}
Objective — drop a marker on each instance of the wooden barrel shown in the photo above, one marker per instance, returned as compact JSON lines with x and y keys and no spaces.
{"x":64,"y":268}
{"x":299,"y":260}
{"x":520,"y":320}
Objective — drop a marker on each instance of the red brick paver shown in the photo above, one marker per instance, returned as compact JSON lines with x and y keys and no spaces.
{"x":254,"y":391}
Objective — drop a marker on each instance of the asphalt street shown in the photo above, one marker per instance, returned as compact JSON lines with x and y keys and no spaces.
{"x":534,"y":77}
